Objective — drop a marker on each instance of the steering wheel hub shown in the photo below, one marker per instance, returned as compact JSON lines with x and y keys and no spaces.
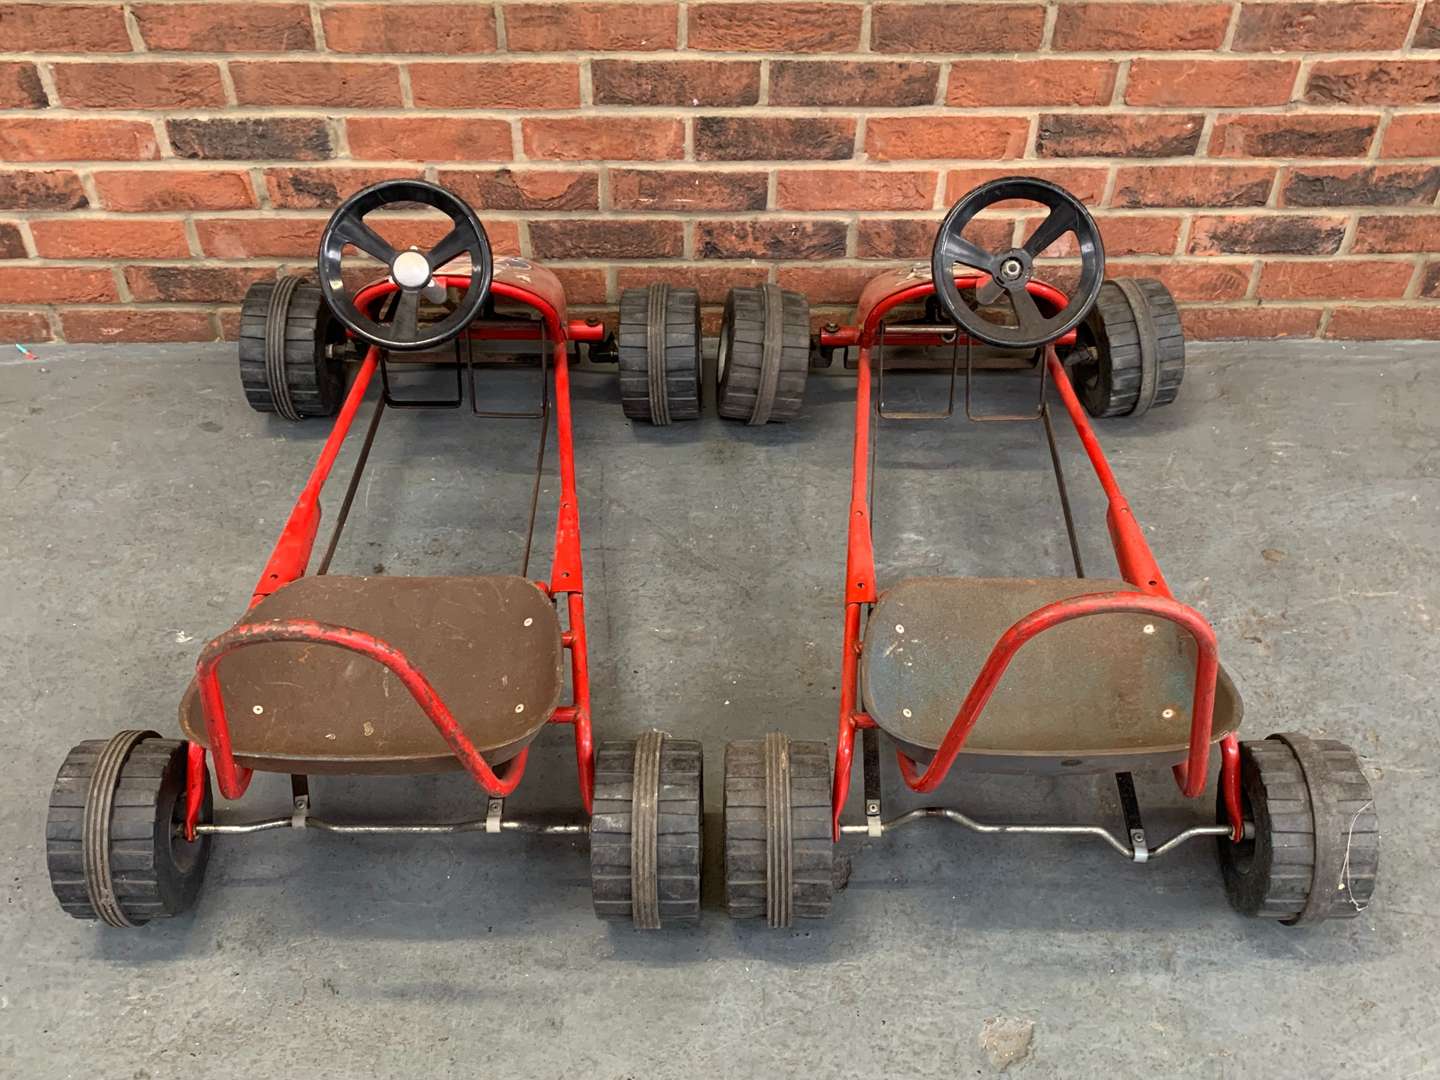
{"x":410,"y":270}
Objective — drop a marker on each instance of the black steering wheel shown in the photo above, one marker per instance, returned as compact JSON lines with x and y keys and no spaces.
{"x":412,"y":270}
{"x":1010,"y":271}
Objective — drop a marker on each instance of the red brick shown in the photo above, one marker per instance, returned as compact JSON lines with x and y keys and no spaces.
{"x":324,"y":188}
{"x":607,"y":239}
{"x":525,"y":189}
{"x":1105,"y":135}
{"x":783,"y":28}
{"x":22,"y":284}
{"x":12,"y":244}
{"x":1086,"y":184}
{"x":604,"y":138}
{"x":405,"y":28}
{"x":1344,"y":279}
{"x":912,"y":238}
{"x":41,"y":189}
{"x":1427,"y":34}
{"x":582,"y":284}
{"x":25,"y":326}
{"x":1385,"y":234}
{"x":177,"y":189}
{"x":1013,"y":83}
{"x":771,"y":238}
{"x":225,"y":27}
{"x":1383,"y":322}
{"x":1374,"y":82}
{"x":711,"y":282}
{"x":1412,"y":135}
{"x":496,"y":84}
{"x":335,"y":83}
{"x":1221,"y":323}
{"x":824,"y":283}
{"x":895,"y":138}
{"x":51,"y":27}
{"x":1207,"y":280}
{"x":888,"y":84}
{"x":774,"y":138}
{"x":1126,"y":27}
{"x":110,"y":238}
{"x":76,"y":140}
{"x":298,"y":138}
{"x":20,"y":87}
{"x":1193,"y":185}
{"x":956,"y":28}
{"x":701,"y":189}
{"x":504,"y":237}
{"x":136,"y":324}
{"x":570,"y":27}
{"x":854,"y":189}
{"x":1308,"y":27}
{"x":426,"y":138}
{"x":1294,"y":135}
{"x":113,"y":85}
{"x":193,"y":284}
{"x":1290,"y":234}
{"x":1210,"y":82}
{"x":675,"y":82}
{"x":248,"y":237}
{"x":1137,"y":234}
{"x":1361,"y":185}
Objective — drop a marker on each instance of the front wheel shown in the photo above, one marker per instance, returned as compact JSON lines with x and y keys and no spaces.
{"x":1130,"y":353}
{"x":112,"y":840}
{"x":1315,"y":849}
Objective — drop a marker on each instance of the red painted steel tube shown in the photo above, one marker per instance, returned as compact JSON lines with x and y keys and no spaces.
{"x":1230,"y":785}
{"x":233,"y":779}
{"x":194,"y":786}
{"x":297,"y":539}
{"x":1207,"y":666}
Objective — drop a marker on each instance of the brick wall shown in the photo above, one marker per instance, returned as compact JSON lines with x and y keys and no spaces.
{"x":1277,"y":163}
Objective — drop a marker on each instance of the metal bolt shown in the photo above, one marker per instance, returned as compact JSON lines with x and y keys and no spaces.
{"x":899,"y":629}
{"x":832,"y":328}
{"x":520,"y":708}
{"x":529,"y":622}
{"x":1149,"y":628}
{"x":906,"y":713}
{"x":257,"y":709}
{"x":1168,"y":714}
{"x":1010,"y":268}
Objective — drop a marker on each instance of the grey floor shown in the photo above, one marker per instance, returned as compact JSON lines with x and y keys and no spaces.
{"x":1291,"y":493}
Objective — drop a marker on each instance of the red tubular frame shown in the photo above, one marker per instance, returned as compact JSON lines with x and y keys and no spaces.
{"x":291,"y":557}
{"x":1137,"y":566}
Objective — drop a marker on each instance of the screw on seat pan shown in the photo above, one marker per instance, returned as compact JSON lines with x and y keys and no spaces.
{"x":1107,"y":693}
{"x":490,"y":645}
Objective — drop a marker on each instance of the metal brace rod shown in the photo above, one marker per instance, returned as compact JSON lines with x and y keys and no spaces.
{"x":478,"y":825}
{"x":1098,"y":831}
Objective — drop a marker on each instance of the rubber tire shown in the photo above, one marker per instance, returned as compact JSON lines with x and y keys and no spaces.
{"x":157,"y":875}
{"x":743,"y":331}
{"x":1271,"y":875}
{"x":316,"y":381}
{"x":682,"y":353}
{"x":1106,"y":373}
{"x":813,"y":849}
{"x":680,"y":835}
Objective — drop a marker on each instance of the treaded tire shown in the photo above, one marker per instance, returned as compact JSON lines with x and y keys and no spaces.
{"x":1107,"y":370}
{"x":316,"y":381}
{"x":1272,"y":875}
{"x":156,"y":874}
{"x":681,"y":335}
{"x":739,"y":371}
{"x":748,"y":859}
{"x":678,"y":836}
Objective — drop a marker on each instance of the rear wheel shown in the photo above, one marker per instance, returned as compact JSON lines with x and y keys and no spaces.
{"x":645,"y":831}
{"x":112,"y":839}
{"x":764,"y":355}
{"x":658,"y":346}
{"x":291,"y":349}
{"x":779,"y":854}
{"x":1130,"y":356}
{"x":1315,"y":849}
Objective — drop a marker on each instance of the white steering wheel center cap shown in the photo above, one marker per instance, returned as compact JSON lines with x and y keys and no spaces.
{"x":410,"y":270}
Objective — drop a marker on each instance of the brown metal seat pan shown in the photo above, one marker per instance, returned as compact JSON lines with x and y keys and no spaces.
{"x":1085,"y":696}
{"x":489,"y":645}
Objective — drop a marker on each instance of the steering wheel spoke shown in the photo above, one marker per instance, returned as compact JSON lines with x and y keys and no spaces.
{"x":1027,"y":312}
{"x":988,"y":292}
{"x":406,"y":321}
{"x":455,"y":243}
{"x":1058,"y":222}
{"x":353,"y":230}
{"x":966,"y":253}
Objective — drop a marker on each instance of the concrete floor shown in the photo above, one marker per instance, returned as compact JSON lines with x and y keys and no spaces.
{"x":1291,"y":493}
